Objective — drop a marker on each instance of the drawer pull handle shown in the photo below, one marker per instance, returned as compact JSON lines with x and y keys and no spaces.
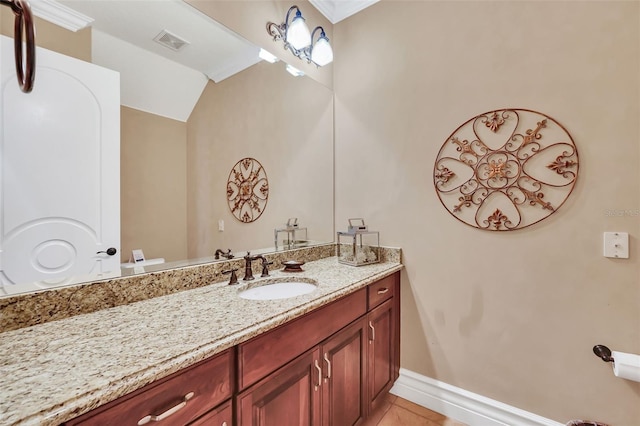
{"x":169,"y":412}
{"x":319,"y":374}
{"x":326,"y":359}
{"x":383,"y":290}
{"x":373,"y":331}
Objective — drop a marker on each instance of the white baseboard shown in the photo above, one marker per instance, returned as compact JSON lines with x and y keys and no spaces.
{"x":462,"y":405}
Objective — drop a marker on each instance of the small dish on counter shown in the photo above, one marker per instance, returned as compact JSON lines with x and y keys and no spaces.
{"x":292,"y":266}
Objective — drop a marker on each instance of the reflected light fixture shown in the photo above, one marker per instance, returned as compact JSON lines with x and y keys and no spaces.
{"x":299,"y":40}
{"x":294,"y":71}
{"x":267,"y":56}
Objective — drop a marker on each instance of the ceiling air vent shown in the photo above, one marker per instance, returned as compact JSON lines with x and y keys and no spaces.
{"x":170,"y":40}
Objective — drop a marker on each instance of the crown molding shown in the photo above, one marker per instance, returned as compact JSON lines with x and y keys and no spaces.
{"x":59,"y":14}
{"x":241,"y":62}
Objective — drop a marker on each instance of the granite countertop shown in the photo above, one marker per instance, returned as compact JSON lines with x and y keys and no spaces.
{"x":53,"y":372}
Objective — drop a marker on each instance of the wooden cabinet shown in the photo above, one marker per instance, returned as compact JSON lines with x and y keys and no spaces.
{"x":267,"y":352}
{"x":381,"y":352}
{"x":330,"y":367}
{"x":221,"y":416}
{"x":177,"y":399}
{"x":338,"y":381}
{"x":343,"y":384}
{"x":288,"y":397}
{"x":324,"y":386}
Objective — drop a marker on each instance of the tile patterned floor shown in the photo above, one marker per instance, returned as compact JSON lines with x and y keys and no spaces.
{"x":400,"y":412}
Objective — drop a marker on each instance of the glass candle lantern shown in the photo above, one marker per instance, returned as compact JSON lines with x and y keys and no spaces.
{"x":358,"y":246}
{"x":293,"y":235}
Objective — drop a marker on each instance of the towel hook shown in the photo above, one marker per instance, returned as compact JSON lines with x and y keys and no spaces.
{"x":25,"y":60}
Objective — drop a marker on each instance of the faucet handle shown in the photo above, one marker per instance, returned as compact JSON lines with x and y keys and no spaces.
{"x":265,"y":267}
{"x":234,"y":278}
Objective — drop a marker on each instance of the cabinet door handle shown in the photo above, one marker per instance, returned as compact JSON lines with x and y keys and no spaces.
{"x":373,"y":331}
{"x":326,"y":359}
{"x":319,"y":374}
{"x":383,"y":290}
{"x":169,"y":412}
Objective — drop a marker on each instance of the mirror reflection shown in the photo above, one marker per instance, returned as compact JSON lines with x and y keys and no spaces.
{"x":186,"y":121}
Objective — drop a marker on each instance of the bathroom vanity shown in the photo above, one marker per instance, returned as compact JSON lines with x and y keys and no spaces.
{"x":207,"y":357}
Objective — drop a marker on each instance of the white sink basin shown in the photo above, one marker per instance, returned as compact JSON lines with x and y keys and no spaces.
{"x":278,"y":290}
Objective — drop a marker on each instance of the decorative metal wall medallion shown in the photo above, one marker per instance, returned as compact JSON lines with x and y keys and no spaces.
{"x":506,"y":169}
{"x":247,"y":190}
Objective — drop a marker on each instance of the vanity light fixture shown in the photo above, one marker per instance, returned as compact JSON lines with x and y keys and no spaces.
{"x":321,"y":51}
{"x":297,"y":33}
{"x":300,"y":41}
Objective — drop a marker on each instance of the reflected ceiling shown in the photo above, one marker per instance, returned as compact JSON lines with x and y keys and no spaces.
{"x":210,"y":48}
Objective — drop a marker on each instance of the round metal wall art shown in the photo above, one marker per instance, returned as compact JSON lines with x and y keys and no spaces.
{"x":506,"y":169}
{"x":247,"y":190}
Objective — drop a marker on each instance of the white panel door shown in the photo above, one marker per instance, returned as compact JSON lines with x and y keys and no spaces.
{"x":59,"y":172}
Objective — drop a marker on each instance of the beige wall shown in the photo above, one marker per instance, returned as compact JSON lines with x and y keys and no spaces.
{"x":52,"y":37}
{"x":512,"y":316}
{"x":285,"y":123}
{"x":153,"y":180}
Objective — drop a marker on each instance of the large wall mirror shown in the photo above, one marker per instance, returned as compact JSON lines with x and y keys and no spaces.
{"x":186,"y":121}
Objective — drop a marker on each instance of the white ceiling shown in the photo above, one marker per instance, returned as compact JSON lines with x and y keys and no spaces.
{"x":337,"y":10}
{"x":213,"y":49}
{"x":153,"y":77}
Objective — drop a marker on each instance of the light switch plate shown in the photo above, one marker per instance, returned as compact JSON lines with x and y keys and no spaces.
{"x":616,"y":245}
{"x":220,"y":225}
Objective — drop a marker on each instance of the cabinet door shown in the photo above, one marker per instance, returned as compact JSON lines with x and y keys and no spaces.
{"x":221,"y":416}
{"x":288,"y":397}
{"x":343,"y":387}
{"x":382,"y":352}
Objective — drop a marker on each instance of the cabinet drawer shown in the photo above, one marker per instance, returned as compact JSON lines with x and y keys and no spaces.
{"x":382,"y":290}
{"x":221,"y":416}
{"x":179,"y":398}
{"x":268,"y":352}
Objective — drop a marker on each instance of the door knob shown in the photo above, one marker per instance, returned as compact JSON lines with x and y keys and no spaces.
{"x":110,"y":251}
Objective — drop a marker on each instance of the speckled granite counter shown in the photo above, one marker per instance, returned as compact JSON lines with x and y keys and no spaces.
{"x":53,"y":372}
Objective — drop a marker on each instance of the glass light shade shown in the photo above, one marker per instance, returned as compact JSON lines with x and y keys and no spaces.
{"x":322,"y":53}
{"x":298,"y":34}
